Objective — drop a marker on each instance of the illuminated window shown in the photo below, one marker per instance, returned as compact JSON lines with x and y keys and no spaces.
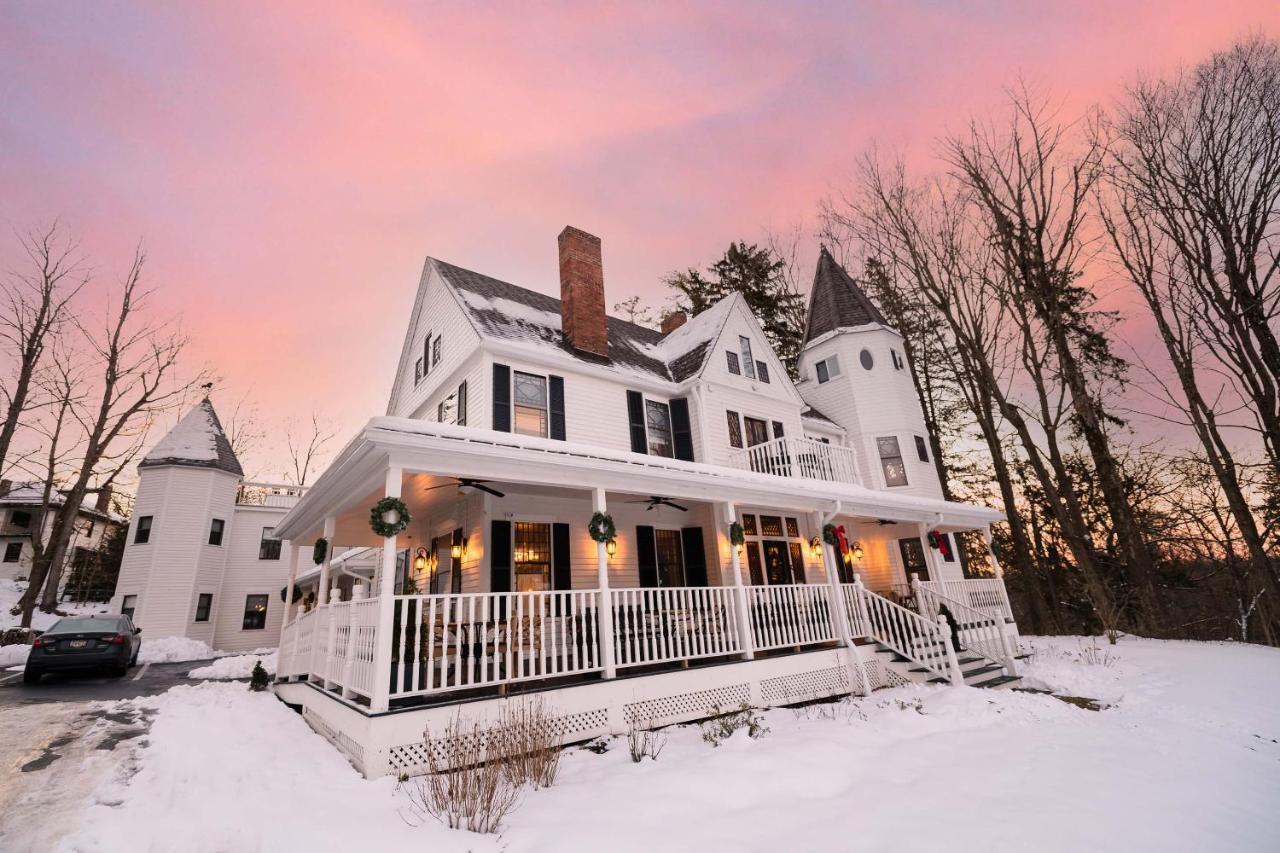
{"x":895,"y":472}
{"x":255,"y":612}
{"x":530,"y":395}
{"x":657,"y":420}
{"x":532,"y":556}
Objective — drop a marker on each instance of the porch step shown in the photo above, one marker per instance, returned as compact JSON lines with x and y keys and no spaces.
{"x":977,"y":671}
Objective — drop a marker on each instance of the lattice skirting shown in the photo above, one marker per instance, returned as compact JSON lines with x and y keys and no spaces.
{"x":348,"y":746}
{"x":664,"y":710}
{"x":804,"y":686}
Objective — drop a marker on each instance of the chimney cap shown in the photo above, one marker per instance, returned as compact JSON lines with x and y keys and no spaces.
{"x":570,"y":231}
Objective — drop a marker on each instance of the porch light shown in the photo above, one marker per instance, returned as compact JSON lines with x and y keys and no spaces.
{"x":856,"y":550}
{"x":815,"y":546}
{"x":456,"y":550}
{"x":611,"y":547}
{"x":420,"y":560}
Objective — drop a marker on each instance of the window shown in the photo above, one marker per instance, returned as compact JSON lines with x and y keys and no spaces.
{"x":88,"y":528}
{"x":670,"y":563}
{"x":793,"y":528}
{"x":757,"y":431}
{"x":657,"y":420}
{"x":732,"y":358}
{"x":20,"y":518}
{"x":215,"y":531}
{"x":770,"y":525}
{"x":530,"y":397}
{"x":255,"y":612}
{"x":898,"y":361}
{"x":748,"y":363}
{"x":922,"y":449}
{"x":268,"y":548}
{"x":449,"y":410}
{"x":128,"y":604}
{"x":204,"y":603}
{"x":762,"y":371}
{"x":777,"y":429}
{"x":735,"y":429}
{"x":435,"y":351}
{"x":142,"y":534}
{"x":417,"y":371}
{"x":895,"y":473}
{"x":426,"y":355}
{"x":532,"y":556}
{"x":827,"y":368}
{"x":867,"y":361}
{"x":13,"y":552}
{"x":462,"y":404}
{"x":749,"y":525}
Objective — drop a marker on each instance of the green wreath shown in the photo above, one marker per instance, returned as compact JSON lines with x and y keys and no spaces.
{"x":935,"y":541}
{"x":736,"y":534}
{"x":829,"y":535}
{"x":602,"y":528}
{"x":386,"y":505}
{"x":319,"y":550}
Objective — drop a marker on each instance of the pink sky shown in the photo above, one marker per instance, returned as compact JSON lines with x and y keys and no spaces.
{"x":290,"y":165}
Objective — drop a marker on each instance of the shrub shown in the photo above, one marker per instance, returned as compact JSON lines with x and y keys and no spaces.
{"x":722,"y":726}
{"x":527,"y":743}
{"x":462,"y":789}
{"x":644,"y":742}
{"x":258,"y":679}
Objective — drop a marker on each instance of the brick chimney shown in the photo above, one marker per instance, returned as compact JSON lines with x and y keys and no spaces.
{"x":673,"y":321}
{"x":104,"y":499}
{"x":582,"y":316}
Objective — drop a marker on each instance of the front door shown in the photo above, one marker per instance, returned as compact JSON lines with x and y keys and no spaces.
{"x":777,"y":561}
{"x":670,"y":563}
{"x":914,"y":562}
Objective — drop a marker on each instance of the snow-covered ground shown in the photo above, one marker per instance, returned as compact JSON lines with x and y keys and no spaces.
{"x":11,"y":591}
{"x":1184,"y":757}
{"x":237,"y":666}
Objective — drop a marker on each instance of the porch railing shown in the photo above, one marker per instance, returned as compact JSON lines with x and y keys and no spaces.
{"x":978,"y":631}
{"x":269,"y":494}
{"x":799,"y":457}
{"x":677,"y":623}
{"x":904,"y":631}
{"x":986,"y":594}
{"x":789,"y":615}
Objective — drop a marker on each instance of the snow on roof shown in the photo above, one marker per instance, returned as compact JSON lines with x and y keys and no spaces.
{"x":32,"y":494}
{"x":196,"y":440}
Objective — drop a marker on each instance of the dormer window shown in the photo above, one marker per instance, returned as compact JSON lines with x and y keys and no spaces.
{"x":732,"y":358}
{"x":826,"y":369}
{"x":748,"y":363}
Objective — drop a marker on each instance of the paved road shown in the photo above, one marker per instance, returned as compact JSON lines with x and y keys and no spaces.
{"x":142,"y":680}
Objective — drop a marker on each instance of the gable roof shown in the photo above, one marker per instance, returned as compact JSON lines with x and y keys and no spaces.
{"x":32,"y":494}
{"x":503,"y":311}
{"x":837,"y":301}
{"x":197,"y":441}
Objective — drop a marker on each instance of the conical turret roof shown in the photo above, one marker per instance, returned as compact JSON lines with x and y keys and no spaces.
{"x":196,"y":441}
{"x":837,"y":301}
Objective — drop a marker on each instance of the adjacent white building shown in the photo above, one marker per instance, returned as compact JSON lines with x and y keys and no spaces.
{"x":201,"y":559}
{"x":23,"y":516}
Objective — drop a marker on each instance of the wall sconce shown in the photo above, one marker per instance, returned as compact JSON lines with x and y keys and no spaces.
{"x":611,"y":547}
{"x":421,"y":560}
{"x":856,"y":550}
{"x":457,"y":550}
{"x":815,"y":546}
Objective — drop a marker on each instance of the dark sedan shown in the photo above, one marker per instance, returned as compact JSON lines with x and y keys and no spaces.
{"x":85,"y":642}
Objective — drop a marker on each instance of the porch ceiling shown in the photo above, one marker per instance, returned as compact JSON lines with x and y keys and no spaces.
{"x":431,"y":454}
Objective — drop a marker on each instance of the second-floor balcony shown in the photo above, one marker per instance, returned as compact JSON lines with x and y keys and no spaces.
{"x":799,"y":457}
{"x":269,"y":494}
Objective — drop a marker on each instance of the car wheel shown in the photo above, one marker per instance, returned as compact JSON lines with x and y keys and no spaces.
{"x":133,"y":661}
{"x":31,"y":676}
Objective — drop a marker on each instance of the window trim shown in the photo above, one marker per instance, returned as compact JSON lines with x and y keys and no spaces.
{"x":204,"y":601}
{"x":142,"y":532}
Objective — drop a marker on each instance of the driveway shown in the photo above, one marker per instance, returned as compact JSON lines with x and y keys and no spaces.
{"x":143,"y":680}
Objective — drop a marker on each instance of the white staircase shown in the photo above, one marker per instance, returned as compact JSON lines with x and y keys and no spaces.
{"x":920,"y":648}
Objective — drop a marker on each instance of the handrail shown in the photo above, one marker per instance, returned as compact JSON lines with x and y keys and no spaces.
{"x":985,"y":594}
{"x":908,"y":633}
{"x":798,"y":457}
{"x":978,"y":631}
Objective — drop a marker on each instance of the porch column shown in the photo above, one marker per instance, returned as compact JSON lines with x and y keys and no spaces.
{"x":853,"y":655}
{"x":935,"y":573}
{"x":286,"y":653}
{"x":386,"y":607}
{"x":605,"y":608}
{"x":745,"y":640}
{"x":330,"y":525}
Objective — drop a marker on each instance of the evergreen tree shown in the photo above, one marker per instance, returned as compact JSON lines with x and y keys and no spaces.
{"x":258,"y":679}
{"x":758,"y":275}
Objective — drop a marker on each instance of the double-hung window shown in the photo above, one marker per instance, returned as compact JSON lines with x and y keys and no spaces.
{"x":204,"y":604}
{"x":748,"y":363}
{"x":142,"y":533}
{"x":826,"y":369}
{"x":255,"y":612}
{"x":895,"y":472}
{"x":216,"y":527}
{"x":530,"y":401}
{"x":268,"y":546}
{"x":657,"y":420}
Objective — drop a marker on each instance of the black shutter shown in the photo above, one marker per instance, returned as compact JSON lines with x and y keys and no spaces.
{"x":681,"y":433}
{"x":635,"y":414}
{"x":455,"y":565}
{"x":500,"y":556}
{"x":695,"y":556}
{"x":777,"y":430}
{"x":462,"y":403}
{"x":502,"y":398}
{"x":555,"y":387}
{"x":647,"y":556}
{"x":561,"y":574}
{"x":797,"y":563}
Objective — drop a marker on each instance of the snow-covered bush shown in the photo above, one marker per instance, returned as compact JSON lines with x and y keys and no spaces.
{"x":721,"y":727}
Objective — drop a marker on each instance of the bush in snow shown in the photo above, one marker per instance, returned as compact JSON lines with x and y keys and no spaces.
{"x":258,"y":678}
{"x":722,"y":726}
{"x":464,"y":787}
{"x":526,"y":742}
{"x":644,"y":742}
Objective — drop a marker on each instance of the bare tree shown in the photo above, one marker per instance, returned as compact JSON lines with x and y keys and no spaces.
{"x":135,"y":360}
{"x":633,"y":310}
{"x":35,"y":305}
{"x":306,"y":448}
{"x":245,"y":431}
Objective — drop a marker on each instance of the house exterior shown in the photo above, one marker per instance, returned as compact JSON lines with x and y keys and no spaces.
{"x":201,"y":559}
{"x":641,"y":525}
{"x":22,"y":516}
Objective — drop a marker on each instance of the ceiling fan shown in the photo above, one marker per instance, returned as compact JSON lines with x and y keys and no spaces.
{"x":659,"y":501}
{"x":467,"y":483}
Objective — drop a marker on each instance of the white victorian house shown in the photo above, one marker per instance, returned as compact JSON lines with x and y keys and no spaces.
{"x":766,"y":542}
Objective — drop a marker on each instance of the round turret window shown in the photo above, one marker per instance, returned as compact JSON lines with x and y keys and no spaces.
{"x":867,"y":361}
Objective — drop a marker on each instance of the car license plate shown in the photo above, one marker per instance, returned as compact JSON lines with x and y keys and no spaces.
{"x":77,"y":644}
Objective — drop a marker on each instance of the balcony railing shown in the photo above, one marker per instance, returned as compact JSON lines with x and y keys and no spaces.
{"x":799,"y":457}
{"x":269,"y":494}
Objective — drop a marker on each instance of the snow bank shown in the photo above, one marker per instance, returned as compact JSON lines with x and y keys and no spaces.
{"x":1187,"y":759}
{"x":235,"y":666}
{"x":15,"y":655}
{"x":174,"y":649}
